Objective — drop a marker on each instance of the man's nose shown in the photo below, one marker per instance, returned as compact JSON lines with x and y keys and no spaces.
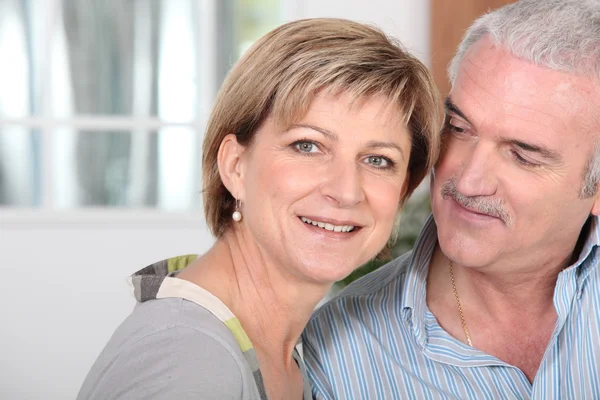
{"x":479,"y":168}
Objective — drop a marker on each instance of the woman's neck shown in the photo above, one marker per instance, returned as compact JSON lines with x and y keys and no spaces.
{"x":272,"y":304}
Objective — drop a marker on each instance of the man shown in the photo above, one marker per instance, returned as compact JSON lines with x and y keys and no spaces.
{"x":500,"y":298}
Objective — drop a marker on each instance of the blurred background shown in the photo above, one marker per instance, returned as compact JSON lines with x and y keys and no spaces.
{"x":103,"y":105}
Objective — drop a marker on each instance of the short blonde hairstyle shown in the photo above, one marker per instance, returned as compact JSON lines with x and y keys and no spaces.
{"x":281,"y":74}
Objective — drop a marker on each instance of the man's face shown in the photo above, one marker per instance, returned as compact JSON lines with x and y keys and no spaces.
{"x":517,"y":140}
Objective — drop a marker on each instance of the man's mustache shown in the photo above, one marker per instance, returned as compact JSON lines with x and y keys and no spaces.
{"x":489,"y":206}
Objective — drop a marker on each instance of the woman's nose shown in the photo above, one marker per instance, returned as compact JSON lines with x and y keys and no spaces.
{"x":342,"y":184}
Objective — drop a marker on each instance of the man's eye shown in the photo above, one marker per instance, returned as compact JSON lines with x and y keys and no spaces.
{"x":455,"y":129}
{"x":453,"y":125}
{"x":520,"y":160}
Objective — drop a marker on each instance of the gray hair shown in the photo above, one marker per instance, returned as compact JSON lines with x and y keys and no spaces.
{"x":562,"y":35}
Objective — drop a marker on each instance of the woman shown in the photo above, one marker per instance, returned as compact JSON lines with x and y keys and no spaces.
{"x":319,"y":134}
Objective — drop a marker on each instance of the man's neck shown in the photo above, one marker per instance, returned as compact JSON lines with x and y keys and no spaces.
{"x":509,"y":316}
{"x":496,"y":292}
{"x":523,"y":293}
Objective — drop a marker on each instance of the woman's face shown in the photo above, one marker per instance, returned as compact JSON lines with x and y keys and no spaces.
{"x":320,"y":197}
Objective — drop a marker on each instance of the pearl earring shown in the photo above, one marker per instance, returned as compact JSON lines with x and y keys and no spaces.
{"x":237,"y":214}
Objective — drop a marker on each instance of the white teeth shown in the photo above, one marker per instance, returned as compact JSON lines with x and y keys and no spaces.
{"x":328,"y":226}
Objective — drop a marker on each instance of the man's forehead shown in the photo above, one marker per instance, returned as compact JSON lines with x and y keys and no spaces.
{"x":498,"y":65}
{"x":492,"y":81}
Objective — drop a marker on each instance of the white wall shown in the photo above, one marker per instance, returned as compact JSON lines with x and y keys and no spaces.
{"x":407,"y":20}
{"x":63,"y":290}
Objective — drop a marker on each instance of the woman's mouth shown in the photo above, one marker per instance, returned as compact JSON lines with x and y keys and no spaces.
{"x":328,"y":226}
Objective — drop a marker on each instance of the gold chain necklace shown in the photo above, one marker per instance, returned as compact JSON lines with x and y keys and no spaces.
{"x":460,"y":311}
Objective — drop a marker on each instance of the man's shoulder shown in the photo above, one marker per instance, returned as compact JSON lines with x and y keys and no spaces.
{"x":370,"y":288}
{"x":380,"y":278}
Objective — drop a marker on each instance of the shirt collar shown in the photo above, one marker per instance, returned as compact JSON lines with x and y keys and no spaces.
{"x":146,"y":282}
{"x":587,"y":260}
{"x":414,"y":304}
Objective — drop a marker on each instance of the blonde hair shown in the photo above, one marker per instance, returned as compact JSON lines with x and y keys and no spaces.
{"x":286,"y":69}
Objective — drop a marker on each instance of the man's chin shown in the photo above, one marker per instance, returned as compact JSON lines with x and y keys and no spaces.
{"x":467,"y":249}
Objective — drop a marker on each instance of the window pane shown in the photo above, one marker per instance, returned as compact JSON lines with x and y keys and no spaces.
{"x":127,"y":169}
{"x":19,"y":166}
{"x":241,"y":23}
{"x":254,"y":18}
{"x":116,"y":57}
{"x":21,"y":25}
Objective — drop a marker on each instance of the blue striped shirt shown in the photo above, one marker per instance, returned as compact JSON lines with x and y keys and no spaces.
{"x":378,"y":339}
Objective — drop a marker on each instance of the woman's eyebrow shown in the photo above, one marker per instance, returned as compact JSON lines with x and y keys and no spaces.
{"x":330,"y":135}
{"x":386,"y":145}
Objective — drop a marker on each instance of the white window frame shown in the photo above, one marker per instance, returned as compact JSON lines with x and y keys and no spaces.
{"x":47,"y":214}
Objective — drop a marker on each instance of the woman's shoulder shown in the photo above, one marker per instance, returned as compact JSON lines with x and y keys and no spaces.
{"x":171,"y":317}
{"x":170,"y":348}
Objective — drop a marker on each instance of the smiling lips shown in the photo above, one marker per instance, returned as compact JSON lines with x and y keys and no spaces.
{"x":328,"y":226}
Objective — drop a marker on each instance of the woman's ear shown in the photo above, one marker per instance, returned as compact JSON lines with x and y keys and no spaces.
{"x":230,"y":166}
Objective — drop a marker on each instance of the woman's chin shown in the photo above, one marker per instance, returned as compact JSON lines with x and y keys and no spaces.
{"x":327,"y":271}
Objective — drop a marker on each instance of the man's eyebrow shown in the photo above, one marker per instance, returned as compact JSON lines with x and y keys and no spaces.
{"x":453,"y":108}
{"x":544,"y":152}
{"x":325,"y":132}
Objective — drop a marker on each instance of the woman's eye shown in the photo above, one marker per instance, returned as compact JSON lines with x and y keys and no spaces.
{"x":306,"y":147}
{"x":379,"y":162}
